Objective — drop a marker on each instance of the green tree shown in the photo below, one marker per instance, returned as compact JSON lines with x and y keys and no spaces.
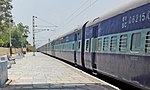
{"x":16,"y":41}
{"x":5,"y":10}
{"x":5,"y":17}
{"x":19,"y":35}
{"x":18,"y":31}
{"x":5,"y":34}
{"x":1,"y":42}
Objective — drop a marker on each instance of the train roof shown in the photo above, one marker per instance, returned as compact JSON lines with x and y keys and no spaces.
{"x":118,"y":10}
{"x":72,"y":31}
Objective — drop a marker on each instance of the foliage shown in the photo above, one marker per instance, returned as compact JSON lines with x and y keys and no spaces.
{"x":6,"y":25}
{"x":5,"y":34}
{"x":5,"y":12}
{"x":1,"y":42}
{"x":5,"y":18}
{"x":18,"y":39}
{"x":5,"y":8}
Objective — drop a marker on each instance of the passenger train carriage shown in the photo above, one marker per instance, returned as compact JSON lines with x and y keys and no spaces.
{"x":116,"y":44}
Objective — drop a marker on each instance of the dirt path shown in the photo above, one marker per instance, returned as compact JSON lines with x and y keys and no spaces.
{"x":4,"y":51}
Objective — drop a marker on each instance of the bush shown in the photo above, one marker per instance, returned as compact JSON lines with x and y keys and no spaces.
{"x":1,"y":43}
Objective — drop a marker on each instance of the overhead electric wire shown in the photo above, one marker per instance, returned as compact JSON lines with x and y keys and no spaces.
{"x":46,"y":22}
{"x":71,"y":15}
{"x":45,"y":26}
{"x":87,"y":7}
{"x":77,"y":10}
{"x":81,"y":12}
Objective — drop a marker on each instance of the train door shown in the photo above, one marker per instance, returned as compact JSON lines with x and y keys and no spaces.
{"x":83,"y":44}
{"x":78,"y":47}
{"x":75,"y":50}
{"x":93,"y":46}
{"x":87,"y":53}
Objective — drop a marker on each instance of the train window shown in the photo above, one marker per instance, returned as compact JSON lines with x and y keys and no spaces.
{"x":78,"y":45}
{"x":136,"y":41}
{"x":98,"y":44}
{"x":113,"y":43}
{"x":69,"y":46}
{"x":123,"y":43}
{"x":78,"y":36}
{"x":54,"y":47}
{"x":105,"y":44}
{"x":72,"y":46}
{"x":87,"y":45}
{"x":62,"y":46}
{"x":57,"y":47}
{"x":65,"y":46}
{"x":147,"y":44}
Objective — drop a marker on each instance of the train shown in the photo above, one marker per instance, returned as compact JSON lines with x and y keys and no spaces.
{"x":116,"y":44}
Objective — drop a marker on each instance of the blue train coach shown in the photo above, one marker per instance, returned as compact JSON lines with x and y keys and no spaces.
{"x":116,"y":44}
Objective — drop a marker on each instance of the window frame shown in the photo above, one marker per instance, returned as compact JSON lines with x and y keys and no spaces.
{"x":113,"y":44}
{"x":87,"y":45}
{"x":78,"y":45}
{"x":147,"y":43}
{"x":105,"y":43}
{"x":99,"y":44}
{"x":135,"y":42}
{"x":122,"y":41}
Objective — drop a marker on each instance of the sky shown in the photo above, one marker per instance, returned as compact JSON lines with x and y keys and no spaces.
{"x":66,"y":14}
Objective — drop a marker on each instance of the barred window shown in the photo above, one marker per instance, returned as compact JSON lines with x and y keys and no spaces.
{"x":147,"y":44}
{"x":98,"y":44}
{"x":69,"y":46}
{"x":79,"y":45}
{"x":73,"y":46}
{"x":113,"y":44}
{"x":87,"y":45}
{"x":62,"y":46}
{"x":105,"y":44}
{"x":123,"y":43}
